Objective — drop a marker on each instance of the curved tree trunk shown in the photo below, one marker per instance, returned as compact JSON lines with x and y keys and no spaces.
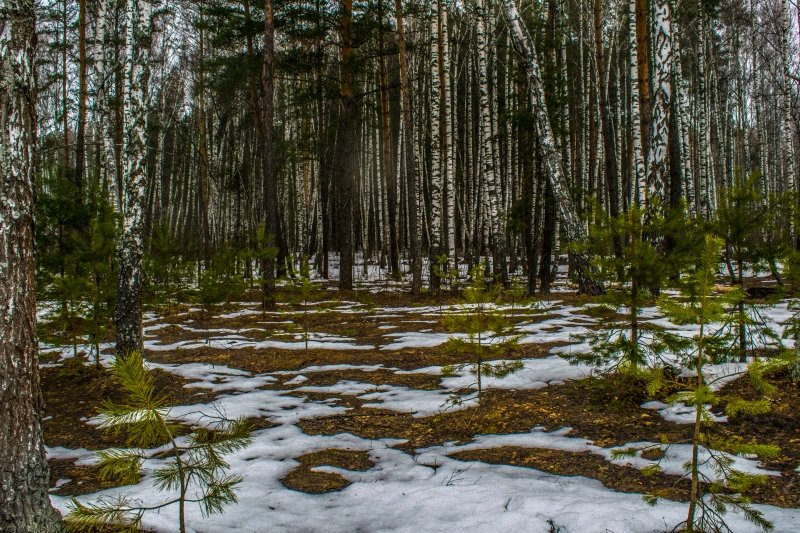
{"x":24,"y":502}
{"x":572,"y":225}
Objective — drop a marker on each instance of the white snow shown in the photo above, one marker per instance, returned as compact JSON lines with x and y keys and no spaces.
{"x":427,"y":491}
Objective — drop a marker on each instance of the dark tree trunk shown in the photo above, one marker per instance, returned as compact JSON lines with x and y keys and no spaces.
{"x":643,"y":36}
{"x":80,"y":138}
{"x":24,"y":475}
{"x":347,"y":151}
{"x":271,"y":222}
{"x":548,"y":240}
{"x":388,"y":162}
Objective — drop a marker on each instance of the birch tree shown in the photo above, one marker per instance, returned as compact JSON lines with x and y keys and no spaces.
{"x":412,"y":179}
{"x":573,"y":227}
{"x":130,"y":245}
{"x":24,"y":475}
{"x":639,"y":173}
{"x":663,"y":92}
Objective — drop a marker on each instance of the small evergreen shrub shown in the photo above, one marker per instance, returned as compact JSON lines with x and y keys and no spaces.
{"x":194,"y":465}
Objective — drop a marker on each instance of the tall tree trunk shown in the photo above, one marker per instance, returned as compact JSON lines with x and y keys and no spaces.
{"x":83,"y":95}
{"x":130,"y":244}
{"x":643,"y":34}
{"x":347,"y":149}
{"x":639,"y":171}
{"x":573,"y":227}
{"x":660,"y":135}
{"x":412,"y":179}
{"x":489,"y":170}
{"x":103,"y":148}
{"x":64,"y":92}
{"x":787,"y":135}
{"x":387,"y":157}
{"x":24,"y":475}
{"x":270,"y":196}
{"x":606,"y":90}
{"x":438,"y":144}
{"x":204,"y":192}
{"x":703,"y":135}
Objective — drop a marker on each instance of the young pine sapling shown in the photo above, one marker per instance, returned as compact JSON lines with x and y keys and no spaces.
{"x":702,"y":304}
{"x":488,"y":331}
{"x":193,"y":471}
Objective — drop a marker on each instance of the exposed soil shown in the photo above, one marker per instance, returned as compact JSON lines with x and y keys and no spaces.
{"x":74,"y":392}
{"x":605,"y":411}
{"x":274,"y":359}
{"x":305,"y":479}
{"x":618,"y":477}
{"x":508,"y":411}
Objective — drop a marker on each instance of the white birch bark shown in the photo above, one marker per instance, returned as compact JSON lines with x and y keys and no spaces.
{"x":787,"y":135}
{"x":639,"y":173}
{"x":437,"y":157}
{"x":703,"y":137}
{"x":450,"y":159}
{"x":662,"y":67}
{"x":488,"y":152}
{"x":573,"y":227}
{"x":24,"y":501}
{"x":130,"y":244}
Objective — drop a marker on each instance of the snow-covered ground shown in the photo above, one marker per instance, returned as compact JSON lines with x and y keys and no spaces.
{"x":427,"y":491}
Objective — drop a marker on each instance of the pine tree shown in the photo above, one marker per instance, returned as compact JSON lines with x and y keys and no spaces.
{"x":166,"y":269}
{"x":625,"y":344}
{"x":303,"y":291}
{"x":219,"y":283}
{"x":740,"y":220}
{"x":702,"y":304}
{"x":195,"y":468}
{"x":488,"y":330}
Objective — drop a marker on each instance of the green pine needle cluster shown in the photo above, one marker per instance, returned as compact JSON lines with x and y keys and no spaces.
{"x":194,"y":465}
{"x":703,"y":303}
{"x":489,"y":332}
{"x":631,"y":265}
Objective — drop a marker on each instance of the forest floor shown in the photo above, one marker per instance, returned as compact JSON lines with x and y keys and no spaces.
{"x":368,"y":419}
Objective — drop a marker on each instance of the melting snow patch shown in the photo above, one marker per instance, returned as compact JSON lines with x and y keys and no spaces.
{"x":680,"y":413}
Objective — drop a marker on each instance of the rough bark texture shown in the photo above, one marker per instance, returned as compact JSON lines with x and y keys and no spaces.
{"x":271,"y":220}
{"x":636,"y":120}
{"x":663,"y":74}
{"x":24,"y":502}
{"x":347,"y":151}
{"x":130,"y":244}
{"x":573,"y":227}
{"x":83,"y":96}
{"x":411,"y":162}
{"x":438,"y":142}
{"x":643,"y":75}
{"x":388,"y":163}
